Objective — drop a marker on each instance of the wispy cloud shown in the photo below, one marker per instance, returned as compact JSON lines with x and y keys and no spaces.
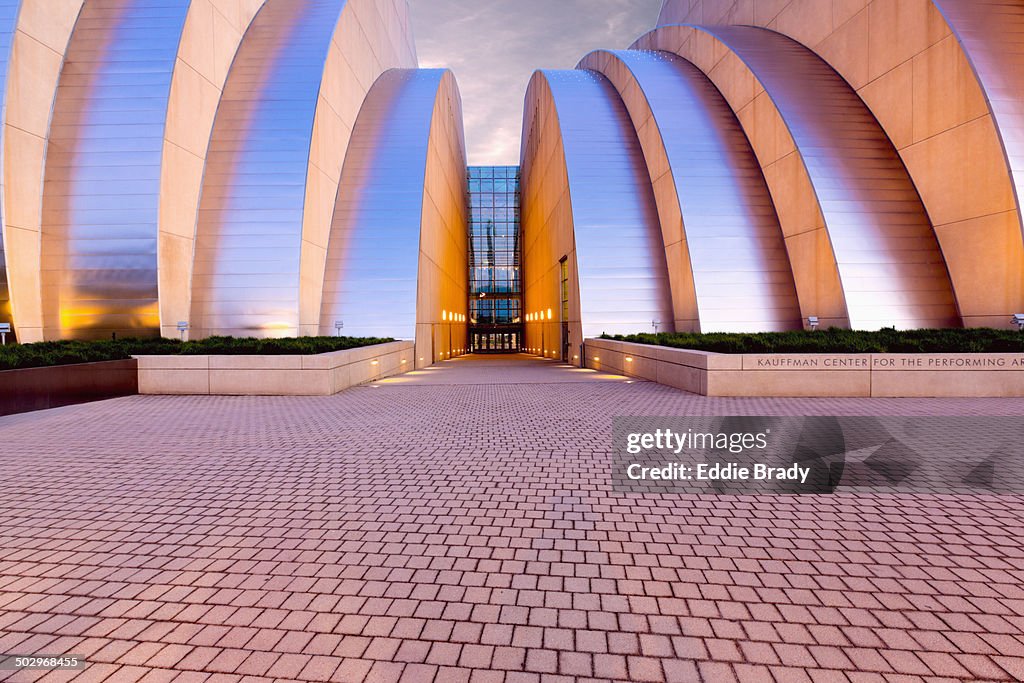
{"x":494,"y":46}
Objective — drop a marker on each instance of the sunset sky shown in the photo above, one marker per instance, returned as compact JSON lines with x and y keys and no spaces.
{"x":493,"y":46}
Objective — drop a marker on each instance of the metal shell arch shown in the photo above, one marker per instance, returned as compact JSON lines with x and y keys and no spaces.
{"x":275,"y":152}
{"x":943,"y":78}
{"x":8,"y":20}
{"x":397,"y":253}
{"x":587,"y":198}
{"x":890,"y":268}
{"x":102,"y":180}
{"x":727,"y":260}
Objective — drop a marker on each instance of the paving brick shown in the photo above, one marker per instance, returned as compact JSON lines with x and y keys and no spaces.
{"x":459,"y":523}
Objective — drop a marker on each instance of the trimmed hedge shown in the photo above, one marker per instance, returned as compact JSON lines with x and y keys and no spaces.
{"x":43,"y":354}
{"x":834,"y":340}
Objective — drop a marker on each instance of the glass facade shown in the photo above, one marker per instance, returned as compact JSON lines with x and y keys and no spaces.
{"x":495,"y":290}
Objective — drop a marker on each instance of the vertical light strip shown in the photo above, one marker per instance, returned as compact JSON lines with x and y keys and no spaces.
{"x":102,"y":181}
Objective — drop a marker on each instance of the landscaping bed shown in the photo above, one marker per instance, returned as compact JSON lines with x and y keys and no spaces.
{"x":52,"y":353}
{"x":834,"y":340}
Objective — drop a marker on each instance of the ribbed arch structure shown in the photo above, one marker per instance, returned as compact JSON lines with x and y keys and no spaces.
{"x":727,"y":262}
{"x":991,"y":34}
{"x":274,"y":159}
{"x":944,"y":80}
{"x":587,"y":198}
{"x":191,"y":163}
{"x":396,"y":258}
{"x":38,"y":49}
{"x":835,"y":172}
{"x":249,"y":233}
{"x":209,"y":41}
{"x":8,"y":19}
{"x":102,"y":180}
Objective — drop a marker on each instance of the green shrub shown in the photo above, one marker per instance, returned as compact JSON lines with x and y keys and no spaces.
{"x":44,"y":354}
{"x":834,"y":340}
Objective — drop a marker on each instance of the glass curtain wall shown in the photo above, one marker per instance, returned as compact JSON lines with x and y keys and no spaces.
{"x":495,"y":290}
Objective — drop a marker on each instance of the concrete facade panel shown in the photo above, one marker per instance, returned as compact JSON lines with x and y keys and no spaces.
{"x":37,"y":53}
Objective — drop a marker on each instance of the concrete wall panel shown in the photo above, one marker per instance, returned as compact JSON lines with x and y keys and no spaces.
{"x":38,"y":49}
{"x":8,"y":21}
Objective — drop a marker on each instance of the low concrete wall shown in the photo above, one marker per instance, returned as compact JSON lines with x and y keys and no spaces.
{"x":856,"y":374}
{"x":30,"y":389}
{"x":316,"y":375}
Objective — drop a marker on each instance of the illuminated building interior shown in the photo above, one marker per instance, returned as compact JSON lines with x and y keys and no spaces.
{"x":495,"y":289}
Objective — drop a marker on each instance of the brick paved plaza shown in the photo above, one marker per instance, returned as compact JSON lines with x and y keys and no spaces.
{"x":458,"y":524}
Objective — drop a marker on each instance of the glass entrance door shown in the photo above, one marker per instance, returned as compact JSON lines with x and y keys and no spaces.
{"x":495,"y":342}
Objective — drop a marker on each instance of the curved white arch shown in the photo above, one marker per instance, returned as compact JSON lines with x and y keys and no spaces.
{"x":396,"y":260}
{"x":728,"y":266}
{"x":587,"y":198}
{"x":890,"y":268}
{"x":274,"y":158}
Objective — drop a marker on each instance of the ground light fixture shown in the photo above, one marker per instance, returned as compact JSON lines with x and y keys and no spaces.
{"x":812,"y":322}
{"x":182,"y":328}
{"x":1018,"y":320}
{"x":338,"y":326}
{"x":4,"y":329}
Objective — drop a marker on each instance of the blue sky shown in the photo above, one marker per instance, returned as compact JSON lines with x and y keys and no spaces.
{"x":493,"y":46}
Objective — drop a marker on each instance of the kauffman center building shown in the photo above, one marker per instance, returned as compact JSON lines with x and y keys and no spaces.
{"x":282,"y":168}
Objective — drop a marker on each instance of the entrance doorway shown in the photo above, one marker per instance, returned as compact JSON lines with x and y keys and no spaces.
{"x":495,"y":341}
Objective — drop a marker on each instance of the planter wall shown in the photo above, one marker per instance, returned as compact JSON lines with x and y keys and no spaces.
{"x":314,"y":375}
{"x":61,"y":385}
{"x":815,"y":374}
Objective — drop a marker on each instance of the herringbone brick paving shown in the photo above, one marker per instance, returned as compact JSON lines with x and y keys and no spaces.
{"x":459,"y":524}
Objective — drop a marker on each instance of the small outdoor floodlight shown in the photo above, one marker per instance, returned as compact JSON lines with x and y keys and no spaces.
{"x":1018,"y":320}
{"x":812,"y":321}
{"x":4,"y":329}
{"x":182,"y":328}
{"x":338,"y":326}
